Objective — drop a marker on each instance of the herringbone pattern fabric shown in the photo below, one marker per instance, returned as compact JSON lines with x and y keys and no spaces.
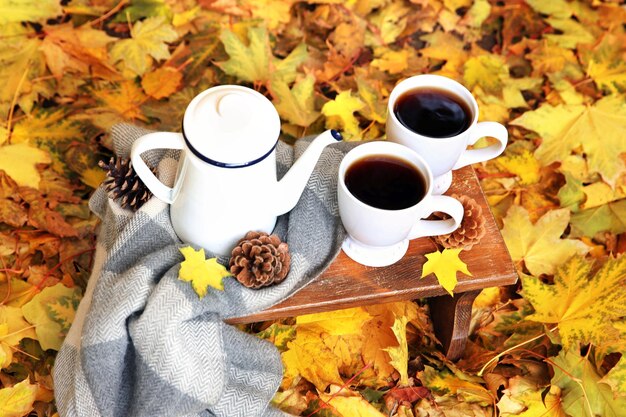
{"x":144,"y":344}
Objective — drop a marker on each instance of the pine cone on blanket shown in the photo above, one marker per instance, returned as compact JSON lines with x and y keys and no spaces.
{"x":472,"y":227}
{"x":123,"y":184}
{"x":260,"y":260}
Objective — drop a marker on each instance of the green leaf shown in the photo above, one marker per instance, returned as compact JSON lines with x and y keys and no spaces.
{"x":279,"y":334}
{"x":583,"y":395}
{"x":28,"y":10}
{"x":571,"y":195}
{"x":582,"y":304}
{"x":52,"y":312}
{"x":148,"y":41}
{"x":143,"y":8}
{"x":296,"y":105}
{"x":610,"y":217}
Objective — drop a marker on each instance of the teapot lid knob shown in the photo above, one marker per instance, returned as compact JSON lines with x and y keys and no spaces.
{"x":231,"y":126}
{"x":233,"y":106}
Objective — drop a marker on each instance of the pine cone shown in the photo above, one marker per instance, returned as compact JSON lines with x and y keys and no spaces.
{"x":472,"y":227}
{"x":124,"y":185}
{"x":260,"y":260}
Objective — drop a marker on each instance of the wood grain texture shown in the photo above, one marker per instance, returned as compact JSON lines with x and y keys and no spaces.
{"x":451,"y":318}
{"x":348,"y":284}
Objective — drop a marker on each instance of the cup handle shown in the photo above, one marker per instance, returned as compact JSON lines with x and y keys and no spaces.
{"x":157,"y":140}
{"x":482,"y":129}
{"x":442,"y":203}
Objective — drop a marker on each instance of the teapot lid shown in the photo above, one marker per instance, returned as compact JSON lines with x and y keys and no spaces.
{"x":231,"y":126}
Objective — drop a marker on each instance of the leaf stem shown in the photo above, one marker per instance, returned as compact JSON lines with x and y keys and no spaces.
{"x":512,"y":348}
{"x":14,"y":101}
{"x":109,"y":13}
{"x":325,"y":403}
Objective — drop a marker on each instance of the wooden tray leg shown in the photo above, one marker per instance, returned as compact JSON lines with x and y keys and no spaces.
{"x":451,"y":319}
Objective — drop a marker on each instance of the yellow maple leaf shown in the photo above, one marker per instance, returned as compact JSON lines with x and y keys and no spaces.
{"x":598,"y":129}
{"x":13,"y":328}
{"x":351,"y":404}
{"x":201,"y":272}
{"x":296,"y":105}
{"x":390,"y":20}
{"x":445,"y":265}
{"x":489,"y":71}
{"x":124,"y":101}
{"x":46,"y":127}
{"x":28,"y":10}
{"x":571,"y":33}
{"x":22,"y":61}
{"x":378,"y":336}
{"x":523,"y":398}
{"x":338,"y":322}
{"x":581,"y":304}
{"x":19,"y":161}
{"x":340,"y":113}
{"x":307,"y":355}
{"x":539,"y":245}
{"x":524,"y":165}
{"x":147,"y":42}
{"x":394,"y":62}
{"x":16,"y":293}
{"x":79,"y":49}
{"x":375,"y":107}
{"x":600,"y":193}
{"x":17,"y":401}
{"x":255,"y":62}
{"x":445,"y":47}
{"x":400,"y":354}
{"x":605,"y":63}
{"x":162,"y":82}
{"x":274,"y":13}
{"x":51,"y":312}
{"x":457,"y":384}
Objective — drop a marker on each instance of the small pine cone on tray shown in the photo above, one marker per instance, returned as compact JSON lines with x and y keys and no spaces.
{"x":471,"y":230}
{"x":123,"y":184}
{"x":260,"y":260}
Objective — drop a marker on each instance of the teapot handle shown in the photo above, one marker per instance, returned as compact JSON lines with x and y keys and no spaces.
{"x":157,"y":140}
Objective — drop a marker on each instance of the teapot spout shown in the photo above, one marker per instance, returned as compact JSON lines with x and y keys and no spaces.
{"x":291,"y":186}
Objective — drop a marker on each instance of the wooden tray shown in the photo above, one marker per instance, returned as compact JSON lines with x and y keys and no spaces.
{"x":348,"y":284}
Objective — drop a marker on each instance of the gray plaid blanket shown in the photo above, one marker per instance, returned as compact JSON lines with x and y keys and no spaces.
{"x":144,"y":344}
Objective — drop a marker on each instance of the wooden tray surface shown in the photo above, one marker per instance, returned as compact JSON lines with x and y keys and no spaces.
{"x":348,"y":284}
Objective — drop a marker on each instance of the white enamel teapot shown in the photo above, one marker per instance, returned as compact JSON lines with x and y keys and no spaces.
{"x":226,"y":184}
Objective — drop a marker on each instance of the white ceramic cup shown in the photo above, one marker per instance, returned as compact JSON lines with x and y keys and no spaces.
{"x":380,"y":237}
{"x":445,"y":154}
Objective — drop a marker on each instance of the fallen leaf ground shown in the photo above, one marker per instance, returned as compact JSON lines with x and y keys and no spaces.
{"x":553,"y":71}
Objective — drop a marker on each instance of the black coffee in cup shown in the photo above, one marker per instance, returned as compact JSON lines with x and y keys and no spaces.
{"x":433,"y":112}
{"x":385,"y":182}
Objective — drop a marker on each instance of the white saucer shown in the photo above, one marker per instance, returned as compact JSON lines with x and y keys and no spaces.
{"x":442,"y":183}
{"x":374,"y":255}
